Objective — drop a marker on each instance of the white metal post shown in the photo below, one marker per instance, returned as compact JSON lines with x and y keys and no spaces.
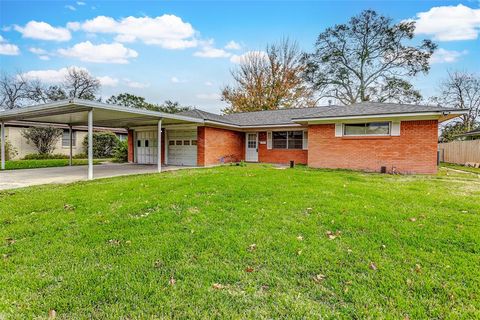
{"x":70,"y":132}
{"x":3,"y":145}
{"x":90,"y":145}
{"x":159,"y":146}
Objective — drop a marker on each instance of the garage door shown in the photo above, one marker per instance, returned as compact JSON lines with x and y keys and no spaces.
{"x":147,"y":147}
{"x":182,"y":147}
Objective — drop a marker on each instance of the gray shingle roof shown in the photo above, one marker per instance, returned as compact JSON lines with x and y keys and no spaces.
{"x":287,"y":116}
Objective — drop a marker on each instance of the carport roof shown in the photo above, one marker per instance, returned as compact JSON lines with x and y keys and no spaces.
{"x":74,"y":112}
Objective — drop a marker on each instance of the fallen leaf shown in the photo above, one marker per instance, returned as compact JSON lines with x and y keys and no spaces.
{"x":252,"y":247}
{"x":300,"y":238}
{"x":265,"y":287}
{"x":383,"y":246}
{"x":217,"y":286}
{"x":68,"y":207}
{"x":114,"y":242}
{"x":299,"y":252}
{"x":172,"y":281}
{"x":372,"y":266}
{"x":10,"y":241}
{"x":249,"y":269}
{"x":418,"y":268}
{"x":413,"y":219}
{"x":332,"y":235}
{"x":309,"y":209}
{"x":319,"y":278}
{"x":158,"y":264}
{"x":52,"y":314}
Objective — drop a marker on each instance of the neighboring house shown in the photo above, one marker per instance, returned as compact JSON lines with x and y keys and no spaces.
{"x":13,"y":134}
{"x":365,"y":136}
{"x":470,"y":135}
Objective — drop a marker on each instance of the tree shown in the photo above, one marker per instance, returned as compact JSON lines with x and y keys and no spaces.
{"x":452,"y":130}
{"x":461,"y":90}
{"x":269,"y":80}
{"x":133,"y":101}
{"x":44,"y":139}
{"x":80,"y":84}
{"x":14,"y":91}
{"x":367,"y":59}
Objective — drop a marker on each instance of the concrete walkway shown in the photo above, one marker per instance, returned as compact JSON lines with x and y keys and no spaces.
{"x":11,"y":179}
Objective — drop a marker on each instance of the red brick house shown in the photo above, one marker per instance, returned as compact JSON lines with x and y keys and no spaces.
{"x":366,"y":136}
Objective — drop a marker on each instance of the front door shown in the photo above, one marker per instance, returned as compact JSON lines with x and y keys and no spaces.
{"x":251,"y":153}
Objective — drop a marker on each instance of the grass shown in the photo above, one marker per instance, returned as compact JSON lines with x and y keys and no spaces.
{"x":30,"y":164}
{"x":460,"y":167}
{"x":181,"y":245}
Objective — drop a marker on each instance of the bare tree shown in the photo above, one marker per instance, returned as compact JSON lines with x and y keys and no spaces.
{"x":269,"y":80}
{"x":367,"y":59}
{"x":462,"y":90}
{"x":14,"y":91}
{"x":81,"y":84}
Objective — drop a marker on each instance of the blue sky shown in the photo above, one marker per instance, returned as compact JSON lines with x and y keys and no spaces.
{"x":184,"y":50}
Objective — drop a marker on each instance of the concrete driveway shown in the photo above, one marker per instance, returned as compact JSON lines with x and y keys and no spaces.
{"x":11,"y":179}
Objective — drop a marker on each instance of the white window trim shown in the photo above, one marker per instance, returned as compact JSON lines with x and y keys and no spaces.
{"x":368,"y":135}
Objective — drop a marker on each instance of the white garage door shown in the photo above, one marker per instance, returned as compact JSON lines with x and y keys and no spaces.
{"x":146,"y":147}
{"x":182,"y":147}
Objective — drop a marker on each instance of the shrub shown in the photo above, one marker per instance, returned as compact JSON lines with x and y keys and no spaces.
{"x":39,"y":156}
{"x":10,"y":151}
{"x":121,"y":152}
{"x":80,"y":156}
{"x":44,"y":139}
{"x":104,"y":144}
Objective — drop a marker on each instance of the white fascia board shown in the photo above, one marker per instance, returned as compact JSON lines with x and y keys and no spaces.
{"x":262,"y":127}
{"x":382,"y":116}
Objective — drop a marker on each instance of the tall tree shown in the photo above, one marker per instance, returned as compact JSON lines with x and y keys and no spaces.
{"x":133,"y":101}
{"x":14,"y":91}
{"x":44,"y":139}
{"x":269,"y":80}
{"x":367,"y":59}
{"x":81,"y":84}
{"x":461,"y":90}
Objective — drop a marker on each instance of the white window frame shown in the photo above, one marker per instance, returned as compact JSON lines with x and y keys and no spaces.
{"x":367,"y":134}
{"x":74,"y":139}
{"x":287,"y":148}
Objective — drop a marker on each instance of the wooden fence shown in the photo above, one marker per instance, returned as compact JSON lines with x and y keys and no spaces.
{"x":460,"y":152}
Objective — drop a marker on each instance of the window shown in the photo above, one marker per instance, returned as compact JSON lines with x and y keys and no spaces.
{"x":194,"y":142}
{"x":287,"y":139}
{"x":122,"y":137}
{"x":186,"y":142}
{"x":66,"y":138}
{"x":367,"y":129}
{"x":178,"y":142}
{"x":139,"y":143}
{"x":146,"y":143}
{"x":171,"y":142}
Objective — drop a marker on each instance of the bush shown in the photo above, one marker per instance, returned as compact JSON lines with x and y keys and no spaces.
{"x":121,"y":152}
{"x":80,"y":156}
{"x":10,"y":151}
{"x":104,"y":144}
{"x":40,"y":156}
{"x":44,"y":139}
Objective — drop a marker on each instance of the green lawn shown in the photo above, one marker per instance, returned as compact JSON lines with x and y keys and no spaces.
{"x":460,"y":167}
{"x":30,"y":164}
{"x":243,"y":242}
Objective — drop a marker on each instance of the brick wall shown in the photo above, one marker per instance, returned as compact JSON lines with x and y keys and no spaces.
{"x":130,"y":142}
{"x":414,"y":151}
{"x":282,"y":156}
{"x":214,"y":144}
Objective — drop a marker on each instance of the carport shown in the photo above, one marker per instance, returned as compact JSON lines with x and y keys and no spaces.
{"x":76,"y":112}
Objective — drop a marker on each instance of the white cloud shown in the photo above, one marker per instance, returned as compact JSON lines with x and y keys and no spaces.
{"x":102,"y":53}
{"x":107,"y":81}
{"x":211,"y":52}
{"x":136,"y":85}
{"x":57,"y":76}
{"x":240,"y":58}
{"x":37,"y":50}
{"x":449,"y":23}
{"x":8,"y":49}
{"x":166,"y":31}
{"x":70,"y":7}
{"x":44,"y":58}
{"x":177,"y":80}
{"x":81,"y":3}
{"x":208,"y":83}
{"x":73,"y":26}
{"x":43,"y":31}
{"x":232,"y":45}
{"x":208,"y":96}
{"x":446,"y":56}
